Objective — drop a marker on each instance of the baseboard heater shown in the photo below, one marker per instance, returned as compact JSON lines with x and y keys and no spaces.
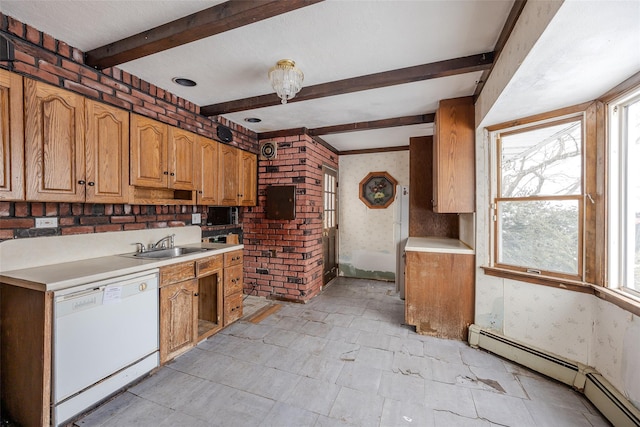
{"x":602,"y":394}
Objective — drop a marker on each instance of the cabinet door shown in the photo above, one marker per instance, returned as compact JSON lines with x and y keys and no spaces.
{"x":208,"y":168}
{"x":182,"y":154}
{"x":248,"y":179}
{"x":54,"y":143}
{"x":148,"y":147}
{"x":454,"y":157}
{"x":228,"y":175}
{"x":107,"y":149}
{"x":178,"y":318}
{"x":11,"y":137}
{"x":439,"y":293}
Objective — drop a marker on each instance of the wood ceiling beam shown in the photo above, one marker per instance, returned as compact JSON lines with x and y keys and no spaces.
{"x":208,"y":22}
{"x":449,"y":67}
{"x":351,"y":127}
{"x":375,"y":124}
{"x":509,"y":24}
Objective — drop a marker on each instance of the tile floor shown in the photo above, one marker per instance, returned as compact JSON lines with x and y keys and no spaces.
{"x":344,"y":359}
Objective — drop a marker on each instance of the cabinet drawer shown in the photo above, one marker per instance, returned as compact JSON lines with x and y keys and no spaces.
{"x":232,"y":258}
{"x":207,"y":265}
{"x":232,"y":308}
{"x":177,"y":273}
{"x":233,"y":280}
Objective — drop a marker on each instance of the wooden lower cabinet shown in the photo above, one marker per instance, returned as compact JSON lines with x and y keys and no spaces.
{"x":233,"y":284}
{"x":439,"y":293}
{"x":178,"y":318}
{"x":197,"y":299}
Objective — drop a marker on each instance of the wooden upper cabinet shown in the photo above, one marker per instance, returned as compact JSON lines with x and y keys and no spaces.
{"x":107,"y":151}
{"x":208,"y":171}
{"x":148,"y":149}
{"x":11,"y":137}
{"x":54,"y":143}
{"x":248,"y":175}
{"x":182,"y":155}
{"x":454,"y":156}
{"x":228,"y":179}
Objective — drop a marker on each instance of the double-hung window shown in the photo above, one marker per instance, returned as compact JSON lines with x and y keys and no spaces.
{"x":624,"y":192}
{"x":539,"y":198}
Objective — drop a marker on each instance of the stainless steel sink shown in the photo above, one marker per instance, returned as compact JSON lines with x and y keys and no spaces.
{"x":166,"y":253}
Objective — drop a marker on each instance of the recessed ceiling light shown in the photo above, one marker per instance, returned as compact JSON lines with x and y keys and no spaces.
{"x":183,"y":82}
{"x":252,"y":120}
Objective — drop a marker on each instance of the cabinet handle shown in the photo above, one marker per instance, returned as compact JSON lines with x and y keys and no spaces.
{"x":172,"y":174}
{"x":195,"y":294}
{"x":166,"y":172}
{"x":200,"y":192}
{"x":91,"y":183}
{"x":81,"y":182}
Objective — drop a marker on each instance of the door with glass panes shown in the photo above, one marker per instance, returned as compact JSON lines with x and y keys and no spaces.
{"x":330,"y":223}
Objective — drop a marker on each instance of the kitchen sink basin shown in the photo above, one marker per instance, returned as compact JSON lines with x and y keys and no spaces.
{"x":166,"y":253}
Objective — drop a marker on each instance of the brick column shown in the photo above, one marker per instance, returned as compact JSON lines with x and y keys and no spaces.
{"x":283,"y":258}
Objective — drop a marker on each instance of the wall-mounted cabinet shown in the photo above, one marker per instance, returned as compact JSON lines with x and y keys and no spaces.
{"x":248,"y":176}
{"x":54,"y":143}
{"x":163,"y":162}
{"x":228,"y":175}
{"x":76,"y":149}
{"x":107,"y":153}
{"x":454,"y":156}
{"x":237,"y":176}
{"x":11,"y":137}
{"x":208,"y":192}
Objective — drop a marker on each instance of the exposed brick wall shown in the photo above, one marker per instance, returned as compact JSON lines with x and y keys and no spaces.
{"x":283,"y":258}
{"x":17,"y":219}
{"x":40,"y":56}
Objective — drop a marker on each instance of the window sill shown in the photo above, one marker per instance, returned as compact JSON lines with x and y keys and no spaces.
{"x":613,"y":296}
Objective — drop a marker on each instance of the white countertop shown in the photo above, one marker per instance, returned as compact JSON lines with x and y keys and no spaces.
{"x":69,"y":274}
{"x":437,"y":244}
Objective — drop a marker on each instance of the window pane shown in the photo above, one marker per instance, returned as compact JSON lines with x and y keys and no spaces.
{"x":542,"y":162}
{"x":633,"y":191}
{"x":542,"y":235}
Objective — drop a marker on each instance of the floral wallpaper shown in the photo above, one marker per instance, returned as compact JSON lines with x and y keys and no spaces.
{"x":366,"y":236}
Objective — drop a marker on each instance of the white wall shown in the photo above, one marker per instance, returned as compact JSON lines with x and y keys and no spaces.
{"x":578,"y":326}
{"x":366,"y":246}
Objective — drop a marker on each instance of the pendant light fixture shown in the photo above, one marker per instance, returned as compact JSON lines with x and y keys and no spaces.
{"x":286,"y":79}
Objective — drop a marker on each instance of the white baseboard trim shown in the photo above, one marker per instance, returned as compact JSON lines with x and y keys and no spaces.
{"x":602,"y":394}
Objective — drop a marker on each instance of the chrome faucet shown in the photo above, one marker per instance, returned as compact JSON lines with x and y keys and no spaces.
{"x":161,"y":244}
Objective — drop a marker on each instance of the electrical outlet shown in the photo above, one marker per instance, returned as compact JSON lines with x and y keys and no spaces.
{"x":46,"y":222}
{"x":196,"y":218}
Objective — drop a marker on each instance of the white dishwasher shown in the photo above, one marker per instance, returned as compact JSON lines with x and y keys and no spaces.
{"x":105,"y":336}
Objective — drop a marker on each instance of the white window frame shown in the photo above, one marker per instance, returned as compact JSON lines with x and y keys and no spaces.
{"x":621,"y":258}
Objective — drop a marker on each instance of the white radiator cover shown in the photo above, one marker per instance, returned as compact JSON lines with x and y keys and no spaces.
{"x":604,"y":396}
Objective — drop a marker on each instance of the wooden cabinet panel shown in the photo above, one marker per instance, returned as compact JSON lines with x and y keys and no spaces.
{"x":228,"y":180}
{"x":54,"y":143}
{"x":177,"y":272}
{"x":182,"y":155}
{"x":178,"y":318}
{"x":107,"y":150}
{"x":233,"y":280}
{"x":208,"y":265}
{"x":232,"y":308}
{"x":439,"y":293}
{"x":148,"y":148}
{"x":454,"y":156}
{"x":208,"y":172}
{"x":232,"y":258}
{"x":11,"y":137}
{"x":248,"y":179}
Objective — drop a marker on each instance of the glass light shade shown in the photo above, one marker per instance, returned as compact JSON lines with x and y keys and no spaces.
{"x":286,"y":79}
